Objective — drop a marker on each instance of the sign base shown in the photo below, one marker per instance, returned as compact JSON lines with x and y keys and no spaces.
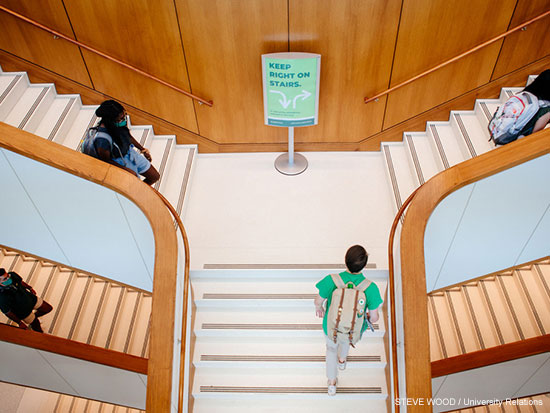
{"x":297,"y":167}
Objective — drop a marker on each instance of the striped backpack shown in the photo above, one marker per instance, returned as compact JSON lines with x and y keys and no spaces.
{"x":346,"y":313}
{"x":510,"y":118}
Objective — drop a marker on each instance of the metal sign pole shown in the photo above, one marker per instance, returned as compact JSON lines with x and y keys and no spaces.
{"x":291,"y":163}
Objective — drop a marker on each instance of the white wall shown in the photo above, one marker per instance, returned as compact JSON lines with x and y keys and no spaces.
{"x":36,"y":368}
{"x":495,"y":223}
{"x":58,"y":216}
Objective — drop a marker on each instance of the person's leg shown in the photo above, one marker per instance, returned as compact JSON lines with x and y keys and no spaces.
{"x":151,"y":175}
{"x":331,"y":360}
{"x":343,"y":350}
{"x":43,"y":309}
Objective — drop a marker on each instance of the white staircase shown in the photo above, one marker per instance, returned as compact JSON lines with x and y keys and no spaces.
{"x":490,"y":311}
{"x":258,"y":346}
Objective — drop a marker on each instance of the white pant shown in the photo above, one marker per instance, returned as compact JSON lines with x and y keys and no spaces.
{"x":335,"y":351}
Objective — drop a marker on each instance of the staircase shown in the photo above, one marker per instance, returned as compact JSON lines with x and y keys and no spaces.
{"x":243,"y":358}
{"x":496,"y":309}
{"x":251,"y":360}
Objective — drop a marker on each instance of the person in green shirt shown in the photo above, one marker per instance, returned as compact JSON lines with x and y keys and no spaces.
{"x":356,"y":259}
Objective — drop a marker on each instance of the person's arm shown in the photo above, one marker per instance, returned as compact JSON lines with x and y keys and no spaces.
{"x":319,"y":307}
{"x":141,"y":148}
{"x":541,"y":122}
{"x":373,"y":316}
{"x":16,"y":319}
{"x":28,"y":287}
{"x":105,"y":156}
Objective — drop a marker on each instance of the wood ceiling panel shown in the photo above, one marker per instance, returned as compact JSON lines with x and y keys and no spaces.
{"x":356,"y":39}
{"x":432,"y":31}
{"x":38,"y":46}
{"x":523,"y":47}
{"x":224,"y":41}
{"x":146,"y":35}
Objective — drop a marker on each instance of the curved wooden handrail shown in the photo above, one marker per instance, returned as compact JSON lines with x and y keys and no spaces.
{"x":417,"y":354}
{"x":391,"y":286}
{"x":185,"y":299}
{"x":460,"y":56}
{"x":492,"y":355}
{"x":104,"y":55}
{"x":74,"y":349}
{"x":159,"y":372}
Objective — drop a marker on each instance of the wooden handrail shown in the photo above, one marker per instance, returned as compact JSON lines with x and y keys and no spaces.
{"x":460,"y":56}
{"x":490,"y":356}
{"x":104,"y":55}
{"x":429,"y":195}
{"x":391,"y":284}
{"x":159,"y":369}
{"x":185,"y":299}
{"x":74,"y":349}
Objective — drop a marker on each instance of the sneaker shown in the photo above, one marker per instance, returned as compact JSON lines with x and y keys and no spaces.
{"x":35,"y":325}
{"x":342,"y":366}
{"x":332,"y":389}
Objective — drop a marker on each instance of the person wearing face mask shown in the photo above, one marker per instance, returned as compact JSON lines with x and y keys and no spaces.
{"x":123,"y":150}
{"x":18,"y":301}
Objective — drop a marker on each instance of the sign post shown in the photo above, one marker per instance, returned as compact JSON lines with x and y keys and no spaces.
{"x":291,"y":99}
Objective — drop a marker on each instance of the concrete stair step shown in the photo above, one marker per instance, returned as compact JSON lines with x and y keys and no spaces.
{"x":12,"y":87}
{"x":466,"y":125}
{"x":59,"y":118}
{"x":30,"y":108}
{"x":399,"y":172}
{"x":174,"y":186}
{"x":422,"y":156}
{"x":84,"y":120}
{"x":450,"y":149}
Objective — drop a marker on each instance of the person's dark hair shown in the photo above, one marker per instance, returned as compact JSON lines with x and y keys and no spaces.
{"x":2,"y":271}
{"x":109,"y":111}
{"x":356,"y":258}
{"x":540,"y":87}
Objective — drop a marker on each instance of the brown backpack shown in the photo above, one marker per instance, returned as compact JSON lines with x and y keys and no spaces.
{"x":346,"y":313}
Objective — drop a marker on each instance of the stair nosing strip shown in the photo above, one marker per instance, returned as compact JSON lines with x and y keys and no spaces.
{"x":295,"y":389}
{"x":465,"y":135}
{"x":61,"y":118}
{"x":10,"y":88}
{"x":79,"y":308}
{"x":133,"y":321}
{"x":474,"y":318}
{"x":164,"y":161}
{"x":439,"y":146}
{"x":61,"y":302}
{"x":147,"y":334}
{"x":486,"y":111}
{"x":121,"y":296}
{"x":281,"y":358}
{"x":393,"y":177}
{"x":538,"y":320}
{"x":229,"y":296}
{"x":185,"y":181}
{"x":438,"y":328}
{"x":416,"y":161}
{"x":259,"y":326}
{"x":32,"y":109}
{"x":455,"y":321}
{"x":97,"y":312}
{"x":510,"y":307}
{"x":543,"y":280}
{"x":491,"y":311}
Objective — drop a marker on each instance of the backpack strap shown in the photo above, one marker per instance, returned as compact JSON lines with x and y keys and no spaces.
{"x":354,"y":317}
{"x":338,"y":282}
{"x":105,"y":135}
{"x":363,"y":285}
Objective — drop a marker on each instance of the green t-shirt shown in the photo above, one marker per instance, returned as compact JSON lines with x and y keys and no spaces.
{"x":326,"y":287}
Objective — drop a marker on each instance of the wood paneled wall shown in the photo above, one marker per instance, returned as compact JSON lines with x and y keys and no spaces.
{"x":212,"y":48}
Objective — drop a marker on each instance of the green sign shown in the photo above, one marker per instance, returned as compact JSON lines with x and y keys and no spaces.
{"x":291,"y":88}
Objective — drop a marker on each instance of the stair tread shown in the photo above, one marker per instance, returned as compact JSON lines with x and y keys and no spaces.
{"x":423,"y":157}
{"x":398,"y":167}
{"x":23,"y":105}
{"x":173,"y":185}
{"x":84,"y":119}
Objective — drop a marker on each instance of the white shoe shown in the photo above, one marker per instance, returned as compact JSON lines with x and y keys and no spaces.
{"x":332,"y":388}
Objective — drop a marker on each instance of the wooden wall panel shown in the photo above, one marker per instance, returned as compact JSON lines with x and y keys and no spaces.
{"x":356,"y":39}
{"x":144,"y":34}
{"x":527,"y":46}
{"x":38,"y":46}
{"x":224,"y":41}
{"x":432,"y":31}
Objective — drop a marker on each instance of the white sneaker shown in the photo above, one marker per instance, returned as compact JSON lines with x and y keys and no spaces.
{"x":332,"y":388}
